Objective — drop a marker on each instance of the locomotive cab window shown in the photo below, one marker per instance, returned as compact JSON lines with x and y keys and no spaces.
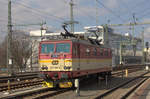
{"x":62,"y":47}
{"x":47,"y":48}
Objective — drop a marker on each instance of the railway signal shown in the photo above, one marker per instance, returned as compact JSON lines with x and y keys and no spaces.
{"x":147,"y":45}
{"x":146,"y":55}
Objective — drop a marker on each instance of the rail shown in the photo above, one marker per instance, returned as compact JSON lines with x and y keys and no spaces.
{"x":120,"y":86}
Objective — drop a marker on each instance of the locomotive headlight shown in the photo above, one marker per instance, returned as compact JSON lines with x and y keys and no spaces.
{"x":44,"y":67}
{"x":68,"y":62}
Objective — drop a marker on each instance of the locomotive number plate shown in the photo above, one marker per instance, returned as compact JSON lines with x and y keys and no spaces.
{"x":55,"y":62}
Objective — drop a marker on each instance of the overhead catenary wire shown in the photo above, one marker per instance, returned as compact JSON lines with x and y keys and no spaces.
{"x":44,"y":15}
{"x":144,"y":15}
{"x":139,"y":3}
{"x":38,"y":11}
{"x":5,"y":2}
{"x":128,"y":11}
{"x":125,"y":6}
{"x":143,"y":9}
{"x":135,"y":6}
{"x":65,"y":1}
{"x":21,"y":20}
{"x":142,"y":12}
{"x":111,"y":11}
{"x":81,"y":11}
{"x":4,"y":20}
{"x":35,"y":14}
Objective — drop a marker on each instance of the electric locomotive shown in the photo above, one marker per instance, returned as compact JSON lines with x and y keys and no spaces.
{"x":62,"y":61}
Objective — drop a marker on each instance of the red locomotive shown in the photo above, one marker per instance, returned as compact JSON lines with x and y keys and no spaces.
{"x":73,"y":58}
{"x":62,"y":61}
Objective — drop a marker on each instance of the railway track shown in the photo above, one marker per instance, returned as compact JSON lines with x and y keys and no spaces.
{"x":134,"y":88}
{"x":47,"y":94}
{"x":130,"y":70}
{"x":38,"y":93}
{"x":126,"y":66}
{"x":21,"y":84}
{"x":31,"y":75}
{"x":122,"y":91}
{"x":19,"y":81}
{"x":5,"y":79}
{"x":41,"y":94}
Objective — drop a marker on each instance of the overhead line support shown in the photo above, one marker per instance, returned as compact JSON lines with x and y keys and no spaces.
{"x":143,"y":56}
{"x":71,"y":16}
{"x":9,"y":41}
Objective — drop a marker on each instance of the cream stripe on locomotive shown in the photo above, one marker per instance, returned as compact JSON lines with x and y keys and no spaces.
{"x":73,"y":64}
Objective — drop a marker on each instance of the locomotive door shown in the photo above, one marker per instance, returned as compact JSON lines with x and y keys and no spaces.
{"x":78,"y":56}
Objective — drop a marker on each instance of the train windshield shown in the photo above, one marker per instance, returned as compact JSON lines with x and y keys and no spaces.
{"x":62,"y":47}
{"x":47,"y":48}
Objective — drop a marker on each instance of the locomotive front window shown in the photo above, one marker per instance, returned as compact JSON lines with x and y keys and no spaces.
{"x":47,"y":48}
{"x":63,"y":47}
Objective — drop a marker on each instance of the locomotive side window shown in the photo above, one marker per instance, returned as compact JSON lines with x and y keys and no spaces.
{"x":47,"y":48}
{"x":105,"y":52}
{"x":87,"y":52}
{"x":75,"y":51}
{"x":95,"y":52}
{"x":110,"y":52}
{"x":101,"y":52}
{"x":63,"y":47}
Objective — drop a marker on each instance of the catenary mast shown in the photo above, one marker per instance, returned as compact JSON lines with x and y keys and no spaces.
{"x":9,"y":41}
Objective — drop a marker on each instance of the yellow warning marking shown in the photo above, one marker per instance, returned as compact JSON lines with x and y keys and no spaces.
{"x":68,"y":60}
{"x":48,"y":84}
{"x":65,"y":84}
{"x":45,"y":61}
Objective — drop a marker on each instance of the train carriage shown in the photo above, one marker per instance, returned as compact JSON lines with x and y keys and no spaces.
{"x":65,"y":60}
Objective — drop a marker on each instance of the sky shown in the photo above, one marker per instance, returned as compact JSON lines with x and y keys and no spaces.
{"x":86,"y":12}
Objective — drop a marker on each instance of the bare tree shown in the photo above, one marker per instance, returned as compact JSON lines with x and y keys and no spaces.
{"x":3,"y":54}
{"x":21,"y":49}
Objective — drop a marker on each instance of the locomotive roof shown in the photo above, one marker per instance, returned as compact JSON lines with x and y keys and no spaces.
{"x":75,"y":40}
